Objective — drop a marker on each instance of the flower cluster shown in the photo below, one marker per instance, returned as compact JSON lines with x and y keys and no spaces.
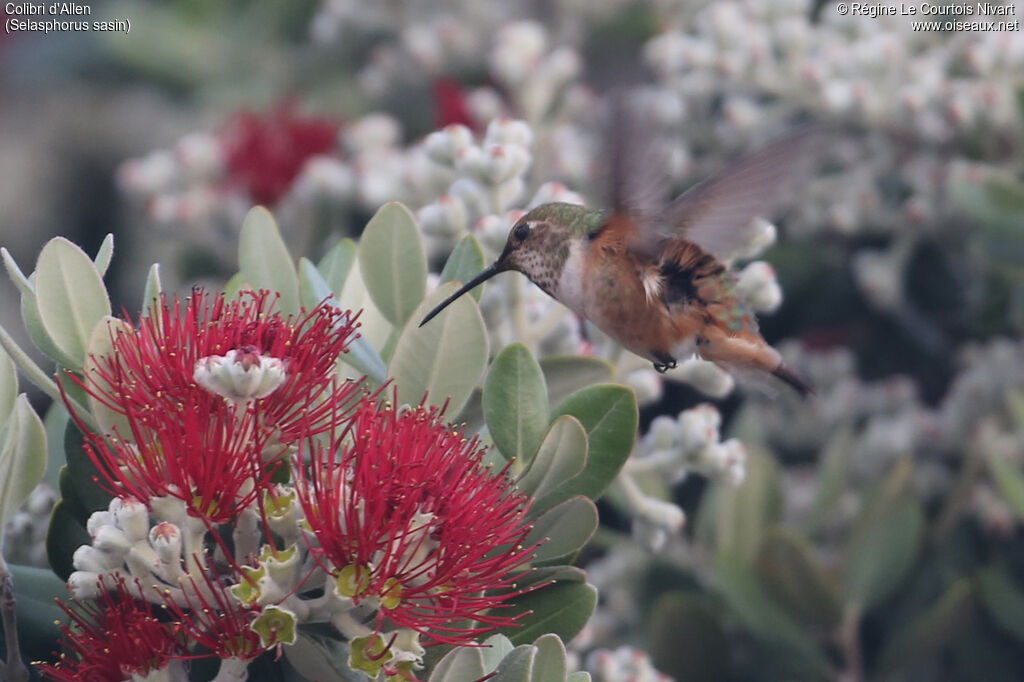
{"x":208,"y":408}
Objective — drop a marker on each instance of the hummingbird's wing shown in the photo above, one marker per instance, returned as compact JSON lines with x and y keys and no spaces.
{"x":637,"y":178}
{"x":718,"y":214}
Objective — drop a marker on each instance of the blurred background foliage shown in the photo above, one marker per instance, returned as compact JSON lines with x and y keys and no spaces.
{"x":876,"y":533}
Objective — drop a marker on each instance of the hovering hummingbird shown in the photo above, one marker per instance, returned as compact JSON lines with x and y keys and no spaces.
{"x":651,"y":274}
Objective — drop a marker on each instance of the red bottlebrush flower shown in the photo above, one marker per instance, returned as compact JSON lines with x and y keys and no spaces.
{"x":404,"y":511}
{"x":209,"y":457}
{"x":152,"y":368}
{"x":450,"y":105}
{"x":112,"y":638}
{"x":265,"y":153}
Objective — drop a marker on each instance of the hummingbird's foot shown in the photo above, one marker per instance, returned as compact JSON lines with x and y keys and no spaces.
{"x":665,"y":363}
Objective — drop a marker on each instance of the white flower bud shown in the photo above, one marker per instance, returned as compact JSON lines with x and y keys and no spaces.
{"x":326,"y":177}
{"x":373,"y":132}
{"x":111,"y":539}
{"x":509,"y":131}
{"x":662,"y":433}
{"x":762,"y":235}
{"x":99,"y":519}
{"x":240,"y":374}
{"x":447,"y":217}
{"x":518,"y":48}
{"x":132,"y":517}
{"x":200,"y":155}
{"x":705,"y":376}
{"x":84,"y":584}
{"x":485,"y":104}
{"x":155,"y":173}
{"x":165,"y":538}
{"x":758,"y":288}
{"x":698,"y":427}
{"x":507,"y":194}
{"x":169,"y":508}
{"x":472,"y":195}
{"x":646,"y":384}
{"x":88,"y":558}
{"x":443,"y":146}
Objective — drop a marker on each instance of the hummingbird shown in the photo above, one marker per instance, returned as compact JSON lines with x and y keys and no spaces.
{"x":652,"y":274}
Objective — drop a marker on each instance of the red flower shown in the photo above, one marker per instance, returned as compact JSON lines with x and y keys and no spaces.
{"x":404,"y":512}
{"x":450,"y":105}
{"x":112,"y":638}
{"x":265,"y":153}
{"x":203,"y":454}
{"x":153,"y":368}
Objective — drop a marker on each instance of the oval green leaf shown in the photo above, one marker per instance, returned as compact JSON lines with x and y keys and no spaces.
{"x":153,"y":289}
{"x":465,"y":262}
{"x":22,"y":457}
{"x":561,"y":609}
{"x":264,"y":261}
{"x":337,"y":263}
{"x":562,"y":455}
{"x":460,"y":664}
{"x":101,"y":345}
{"x":566,"y":526}
{"x":82,"y":474}
{"x":8,"y":387}
{"x":608,"y":413}
{"x":550,"y":663}
{"x":566,"y":374}
{"x":104,"y":254}
{"x":444,"y":359}
{"x":796,"y":579}
{"x":515,"y":403}
{"x":393,"y":262}
{"x":65,"y":535}
{"x":70,"y":296}
{"x":881,"y":557}
{"x":517,"y":666}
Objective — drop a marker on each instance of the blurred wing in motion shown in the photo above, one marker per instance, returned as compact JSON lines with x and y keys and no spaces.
{"x":638,"y":177}
{"x":718,"y":214}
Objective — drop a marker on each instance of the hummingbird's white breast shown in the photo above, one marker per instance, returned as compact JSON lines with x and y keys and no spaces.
{"x":571,"y":290}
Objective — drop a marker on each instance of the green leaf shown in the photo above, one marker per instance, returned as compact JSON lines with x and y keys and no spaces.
{"x":264,"y":261}
{"x":495,"y":649}
{"x":515,"y":403}
{"x":321,"y":658}
{"x":566,"y":374}
{"x":23,"y":283}
{"x":35,"y":590}
{"x":561,"y":609}
{"x":1003,"y":598}
{"x":832,"y":475}
{"x":1010,"y":482}
{"x":879,"y":559}
{"x":361,"y":355}
{"x":567,"y":527}
{"x":66,"y":534}
{"x":461,"y":664}
{"x":465,"y":262}
{"x":337,"y":263}
{"x":22,"y":457}
{"x":931,"y":630}
{"x":8,"y":387}
{"x":373,"y":327}
{"x":549,"y":574}
{"x":445,"y":358}
{"x":36,"y":331}
{"x":797,"y":580}
{"x":562,"y":455}
{"x":580,"y":676}
{"x":755,"y":609}
{"x":151,"y":294}
{"x":550,"y":662}
{"x":393,"y":262}
{"x":744,"y":513}
{"x":517,"y":666}
{"x":609,"y":414}
{"x":103,"y":255}
{"x":101,"y":345}
{"x":235,"y":284}
{"x":71,"y":298}
{"x":82,"y":474}
{"x":687,"y":641}
{"x":55,"y":421}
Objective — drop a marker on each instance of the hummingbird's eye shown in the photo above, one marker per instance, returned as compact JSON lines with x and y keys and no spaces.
{"x":521,"y":232}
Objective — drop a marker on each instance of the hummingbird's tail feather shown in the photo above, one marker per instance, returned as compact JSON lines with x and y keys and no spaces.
{"x":793,"y":379}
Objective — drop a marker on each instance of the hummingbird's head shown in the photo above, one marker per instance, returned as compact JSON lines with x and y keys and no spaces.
{"x":538,"y":246}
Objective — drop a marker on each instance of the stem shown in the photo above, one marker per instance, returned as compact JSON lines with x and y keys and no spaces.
{"x":848,"y":637}
{"x":246,"y":536}
{"x":14,"y":669}
{"x":232,"y":670}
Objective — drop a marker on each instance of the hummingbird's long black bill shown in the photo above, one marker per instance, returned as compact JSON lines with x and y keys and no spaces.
{"x":485,"y":275}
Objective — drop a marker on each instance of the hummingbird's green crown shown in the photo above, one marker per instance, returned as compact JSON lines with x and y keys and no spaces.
{"x":579,"y":220}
